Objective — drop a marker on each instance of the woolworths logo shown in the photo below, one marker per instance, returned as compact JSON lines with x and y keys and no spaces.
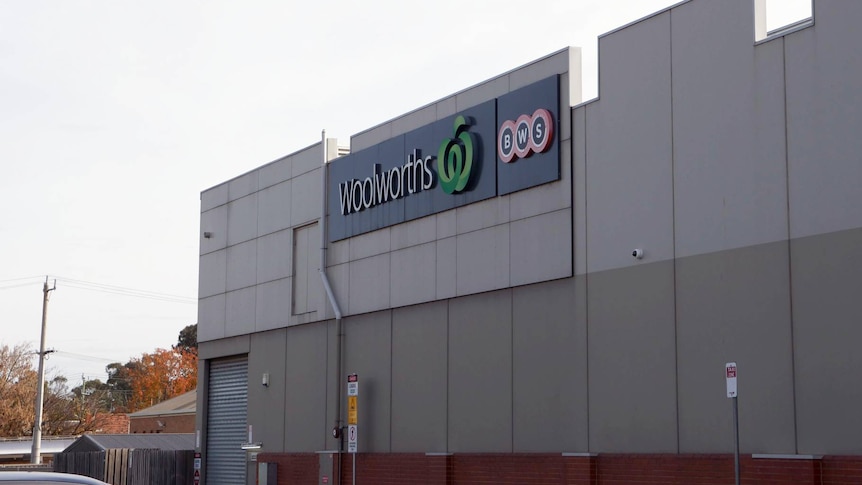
{"x":454,"y":164}
{"x":455,"y":158}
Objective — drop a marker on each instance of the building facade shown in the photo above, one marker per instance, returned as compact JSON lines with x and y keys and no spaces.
{"x":527,"y":287}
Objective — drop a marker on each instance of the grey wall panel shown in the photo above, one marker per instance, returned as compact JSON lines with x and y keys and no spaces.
{"x":266,"y":404}
{"x":370,"y":137}
{"x":446,"y":107}
{"x":306,"y":370}
{"x":370,"y":243}
{"x":412,"y":275}
{"x":447,"y":224}
{"x":480,"y":93}
{"x":729,"y":146}
{"x":579,"y":188}
{"x":369,"y":354}
{"x":414,"y":119}
{"x":481,"y":215}
{"x":239,"y":311}
{"x":556,"y":63}
{"x":549,"y":368}
{"x":447,"y":268}
{"x":243,"y":185}
{"x":480,"y":373}
{"x":242,"y":220}
{"x":548,"y":197}
{"x":272,"y":309}
{"x":747,"y":322}
{"x":306,"y":160}
{"x":419,"y":378}
{"x":482,"y":260}
{"x":274,"y":208}
{"x":214,"y":197}
{"x":338,"y":252}
{"x":241,"y":265}
{"x":827,"y":277}
{"x":275,"y":172}
{"x":541,"y":248}
{"x":369,"y":285}
{"x":211,"y":318}
{"x":274,"y":256}
{"x":305,"y":198}
{"x":629,"y":153}
{"x":632,"y":360}
{"x":226,"y":347}
{"x":213,"y":221}
{"x":413,"y":233}
{"x":212,"y":275}
{"x":824,"y":79}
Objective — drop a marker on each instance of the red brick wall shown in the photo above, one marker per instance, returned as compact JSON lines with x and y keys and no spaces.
{"x":294,"y":468}
{"x":556,"y":469}
{"x":842,"y":470}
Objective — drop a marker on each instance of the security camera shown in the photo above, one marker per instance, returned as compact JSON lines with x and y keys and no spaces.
{"x":638,"y":254}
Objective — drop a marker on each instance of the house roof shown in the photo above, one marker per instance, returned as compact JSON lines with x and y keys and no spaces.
{"x":159,"y":441}
{"x":182,"y":404}
{"x":23,"y":446}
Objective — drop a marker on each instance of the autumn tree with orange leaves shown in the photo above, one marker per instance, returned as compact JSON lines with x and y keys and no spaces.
{"x":161,"y":375}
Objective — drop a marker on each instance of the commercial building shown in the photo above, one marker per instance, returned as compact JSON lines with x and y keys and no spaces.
{"x":529,"y":291}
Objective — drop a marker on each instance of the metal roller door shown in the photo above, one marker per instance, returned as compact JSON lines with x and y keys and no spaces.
{"x":226,"y":422}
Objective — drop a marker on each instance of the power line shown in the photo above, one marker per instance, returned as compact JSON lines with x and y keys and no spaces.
{"x":125,"y":291}
{"x":84,"y":357}
{"x":38,"y":277}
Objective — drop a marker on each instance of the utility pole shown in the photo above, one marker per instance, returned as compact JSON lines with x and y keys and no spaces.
{"x":35,"y":453}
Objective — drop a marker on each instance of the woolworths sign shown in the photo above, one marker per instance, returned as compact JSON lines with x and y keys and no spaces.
{"x":491,"y":149}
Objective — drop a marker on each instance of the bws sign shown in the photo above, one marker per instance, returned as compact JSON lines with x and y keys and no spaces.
{"x":449,"y":163}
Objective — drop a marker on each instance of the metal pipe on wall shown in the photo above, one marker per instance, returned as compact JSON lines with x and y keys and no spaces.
{"x":331,"y":296}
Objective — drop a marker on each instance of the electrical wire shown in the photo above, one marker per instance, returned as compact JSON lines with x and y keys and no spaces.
{"x":62,"y":353}
{"x":124,"y":291}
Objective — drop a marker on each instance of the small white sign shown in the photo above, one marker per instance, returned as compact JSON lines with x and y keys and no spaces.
{"x":352,"y":438}
{"x":353,"y":388}
{"x":730,"y":375}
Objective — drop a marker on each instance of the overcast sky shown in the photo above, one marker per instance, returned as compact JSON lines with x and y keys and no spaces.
{"x":115,"y":115}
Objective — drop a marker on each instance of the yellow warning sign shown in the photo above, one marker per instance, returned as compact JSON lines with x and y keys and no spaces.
{"x":352,"y":413}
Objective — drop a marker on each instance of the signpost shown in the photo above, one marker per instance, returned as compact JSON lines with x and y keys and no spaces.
{"x":197,"y":468}
{"x":730,"y":377}
{"x":352,"y":418}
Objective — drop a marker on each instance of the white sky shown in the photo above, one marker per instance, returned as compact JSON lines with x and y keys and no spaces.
{"x":115,"y":115}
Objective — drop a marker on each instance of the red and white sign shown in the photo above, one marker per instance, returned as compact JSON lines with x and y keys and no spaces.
{"x":730,"y":376}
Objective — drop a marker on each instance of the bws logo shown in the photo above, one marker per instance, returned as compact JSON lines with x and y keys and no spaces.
{"x":455,"y":158}
{"x":525,"y":136}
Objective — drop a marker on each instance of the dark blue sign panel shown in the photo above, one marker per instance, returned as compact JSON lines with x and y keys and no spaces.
{"x":495,"y":148}
{"x":528,"y":148}
{"x":437,"y":167}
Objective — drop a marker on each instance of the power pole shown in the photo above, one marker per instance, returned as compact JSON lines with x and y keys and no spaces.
{"x":36,"y":453}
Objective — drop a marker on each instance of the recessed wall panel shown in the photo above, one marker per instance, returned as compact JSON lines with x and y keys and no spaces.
{"x":632,"y":360}
{"x":480,"y":373}
{"x":419,"y":378}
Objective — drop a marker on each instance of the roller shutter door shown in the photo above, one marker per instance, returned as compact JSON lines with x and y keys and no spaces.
{"x":226,"y":422}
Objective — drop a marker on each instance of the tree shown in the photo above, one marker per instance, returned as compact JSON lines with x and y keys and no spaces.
{"x":188,"y":338}
{"x":161,"y":375}
{"x":62,"y":414}
{"x":17,"y":390}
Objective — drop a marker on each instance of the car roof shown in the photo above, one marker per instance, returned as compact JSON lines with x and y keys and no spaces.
{"x":46,"y":478}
